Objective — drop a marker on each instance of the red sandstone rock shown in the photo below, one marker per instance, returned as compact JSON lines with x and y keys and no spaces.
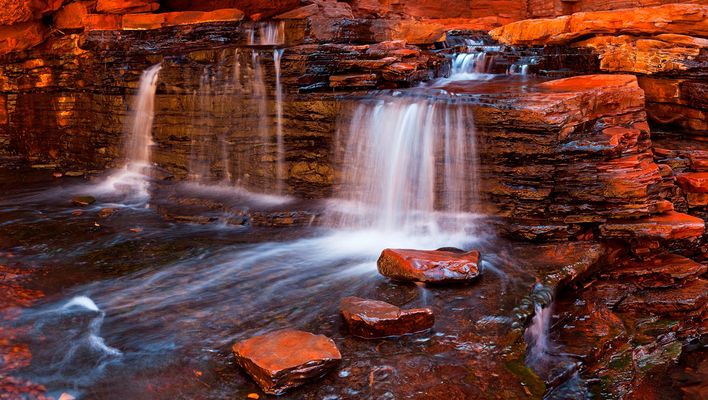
{"x":432,"y":266}
{"x":103,"y":22}
{"x":17,"y":11}
{"x":354,"y":80}
{"x":683,"y":19}
{"x":155,"y":21}
{"x":662,"y":53}
{"x":375,"y":319}
{"x":694,"y":182}
{"x":126,"y":6}
{"x":691,"y":297}
{"x":282,"y":360}
{"x":73,"y":15}
{"x":299,"y":13}
{"x":264,"y":9}
{"x":143,"y":21}
{"x":188,"y":18}
{"x":21,"y":36}
{"x":669,"y":226}
{"x":661,"y":271}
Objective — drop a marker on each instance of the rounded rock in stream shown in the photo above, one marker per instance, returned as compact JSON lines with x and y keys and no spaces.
{"x":83,"y":200}
{"x":371,"y":319}
{"x":284,"y":359}
{"x":430,"y":266}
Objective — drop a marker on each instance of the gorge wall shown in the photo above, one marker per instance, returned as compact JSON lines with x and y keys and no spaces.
{"x":552,"y":170}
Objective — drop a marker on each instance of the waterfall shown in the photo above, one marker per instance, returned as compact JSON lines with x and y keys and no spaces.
{"x":133,"y":179}
{"x":280,"y":172}
{"x":227,"y":90}
{"x":270,"y":33}
{"x":410,"y":166}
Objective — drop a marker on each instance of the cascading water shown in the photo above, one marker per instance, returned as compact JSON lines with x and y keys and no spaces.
{"x":133,"y":179}
{"x":411,"y":166}
{"x":280,"y":167}
{"x":475,"y":64}
{"x":269,"y":33}
{"x":536,"y":336}
{"x":246,"y":82}
{"x":72,"y":331}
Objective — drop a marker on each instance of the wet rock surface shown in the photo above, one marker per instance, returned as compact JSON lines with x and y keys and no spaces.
{"x":431,"y":266}
{"x":281,"y":360}
{"x":376,"y":319}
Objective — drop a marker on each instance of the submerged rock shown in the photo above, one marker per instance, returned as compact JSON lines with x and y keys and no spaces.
{"x":284,"y":359}
{"x":83,"y":200}
{"x":433,"y":266}
{"x":375,"y":319}
{"x":107,"y":212}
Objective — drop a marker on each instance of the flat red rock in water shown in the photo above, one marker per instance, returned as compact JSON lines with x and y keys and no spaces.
{"x":434,"y":266}
{"x":375,"y":319}
{"x":284,"y":359}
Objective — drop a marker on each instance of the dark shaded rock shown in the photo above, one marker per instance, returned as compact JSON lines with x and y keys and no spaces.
{"x":661,"y":271}
{"x":282,"y":360}
{"x":688,"y":298}
{"x":430,"y":266}
{"x":83,"y":200}
{"x":375,"y":319}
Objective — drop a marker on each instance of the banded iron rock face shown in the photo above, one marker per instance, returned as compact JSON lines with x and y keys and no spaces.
{"x":372,"y":319}
{"x":430,"y":266}
{"x":282,"y":360}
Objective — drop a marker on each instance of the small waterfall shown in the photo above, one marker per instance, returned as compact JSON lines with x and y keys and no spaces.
{"x":228,"y":89}
{"x":515,"y":69}
{"x":536,"y":336}
{"x":133,"y":179}
{"x":410,"y":166}
{"x":267,"y":33}
{"x":277,"y":54}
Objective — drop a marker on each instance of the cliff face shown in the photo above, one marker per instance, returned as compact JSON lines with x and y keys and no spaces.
{"x":554,"y":170}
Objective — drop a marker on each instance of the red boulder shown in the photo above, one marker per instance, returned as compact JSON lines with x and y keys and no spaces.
{"x":375,"y":319}
{"x":433,"y":266}
{"x":284,"y":359}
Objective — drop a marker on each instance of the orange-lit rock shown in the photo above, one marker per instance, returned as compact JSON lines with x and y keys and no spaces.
{"x":683,"y":19}
{"x":668,"y":226}
{"x":281,"y":360}
{"x":375,"y":319}
{"x":299,"y":13}
{"x":695,"y":182}
{"x":188,"y":18}
{"x":143,"y":21}
{"x":263,"y":9}
{"x":126,"y":6}
{"x":16,"y":11}
{"x":431,"y":266}
{"x":103,"y":22}
{"x":73,"y":15}
{"x":22,"y":36}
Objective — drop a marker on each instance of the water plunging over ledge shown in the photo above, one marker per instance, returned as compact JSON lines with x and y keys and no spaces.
{"x":133,"y":179}
{"x":410,"y":165}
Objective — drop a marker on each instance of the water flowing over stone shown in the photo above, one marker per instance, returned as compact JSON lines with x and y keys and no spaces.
{"x":411,"y":164}
{"x":238,"y":75}
{"x":133,"y":178}
{"x":267,"y":33}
